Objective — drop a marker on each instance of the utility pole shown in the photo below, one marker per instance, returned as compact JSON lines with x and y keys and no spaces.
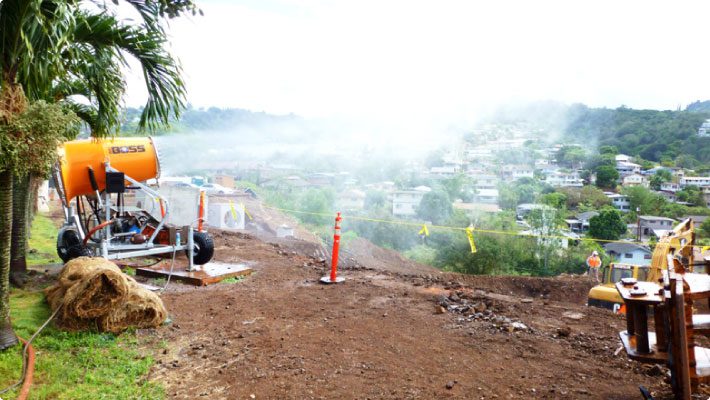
{"x":638,"y":224}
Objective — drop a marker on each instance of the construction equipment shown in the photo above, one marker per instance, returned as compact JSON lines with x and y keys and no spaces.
{"x":94,"y":178}
{"x":678,"y":242}
{"x":605,"y":294}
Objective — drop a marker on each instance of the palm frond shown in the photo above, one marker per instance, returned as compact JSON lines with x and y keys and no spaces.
{"x":161,"y":72}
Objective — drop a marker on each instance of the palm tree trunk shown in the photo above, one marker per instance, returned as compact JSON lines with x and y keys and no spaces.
{"x":7,"y":335}
{"x":20,"y":221}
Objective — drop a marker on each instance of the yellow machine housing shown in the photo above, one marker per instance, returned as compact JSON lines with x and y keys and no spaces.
{"x":605,"y":295}
{"x":137,"y":157}
{"x":678,"y":244}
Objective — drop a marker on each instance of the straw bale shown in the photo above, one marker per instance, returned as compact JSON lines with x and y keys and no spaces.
{"x":141,"y":309}
{"x":94,"y":293}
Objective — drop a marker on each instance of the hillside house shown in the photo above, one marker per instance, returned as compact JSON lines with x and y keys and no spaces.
{"x":670,"y":187}
{"x":704,"y":130}
{"x":622,"y":158}
{"x":523,"y":210}
{"x":510,"y":173}
{"x":650,"y":225}
{"x":699,"y":181}
{"x":619,"y":201}
{"x":351,"y":200}
{"x":581,"y":221}
{"x":634,"y":180}
{"x":486,"y":196}
{"x":564,"y":179}
{"x":405,"y":202}
{"x":321,"y":179}
{"x":668,"y":195}
{"x":484,"y":181}
{"x":628,"y":253}
{"x":475,"y":208}
{"x":224,"y":180}
{"x":627,"y":168}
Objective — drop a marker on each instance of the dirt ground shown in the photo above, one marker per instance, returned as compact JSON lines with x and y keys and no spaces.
{"x":387,"y":334}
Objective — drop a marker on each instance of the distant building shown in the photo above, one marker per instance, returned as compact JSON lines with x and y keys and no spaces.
{"x":563,"y":179}
{"x":670,"y":187}
{"x":627,"y":168}
{"x":351,"y":200}
{"x":581,"y":221}
{"x":476,"y":207}
{"x":486,"y":196}
{"x":628,"y":253}
{"x":695,"y":181}
{"x":447,"y":171}
{"x":634,"y":180}
{"x":515,"y":172}
{"x":321,"y":179}
{"x":706,"y":195}
{"x":620,"y":202}
{"x":484,"y":181}
{"x":704,"y":130}
{"x":224,"y":180}
{"x":650,"y":225}
{"x":523,"y":210}
{"x":622,"y":158}
{"x":405,"y":202}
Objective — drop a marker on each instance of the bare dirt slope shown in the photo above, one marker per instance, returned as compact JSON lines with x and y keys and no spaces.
{"x":385,"y":334}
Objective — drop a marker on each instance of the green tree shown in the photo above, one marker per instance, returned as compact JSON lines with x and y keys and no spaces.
{"x":48,"y":48}
{"x":571,"y":156}
{"x":704,"y":229}
{"x":456,"y":186}
{"x":647,"y":202}
{"x":556,"y":200}
{"x":608,"y":225}
{"x":317,"y":201}
{"x":659,"y":177}
{"x":435,"y":206}
{"x":613,"y":150}
{"x":692,"y":195}
{"x":375,"y":199}
{"x":607,"y":176}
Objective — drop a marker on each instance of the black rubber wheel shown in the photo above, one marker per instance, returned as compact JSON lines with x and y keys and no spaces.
{"x":78,"y":250}
{"x":65,"y":240}
{"x":204,"y":248}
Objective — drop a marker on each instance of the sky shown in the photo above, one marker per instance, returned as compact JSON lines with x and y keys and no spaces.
{"x":439,"y":63}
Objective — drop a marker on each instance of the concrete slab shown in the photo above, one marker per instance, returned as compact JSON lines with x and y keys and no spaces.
{"x":203,"y":275}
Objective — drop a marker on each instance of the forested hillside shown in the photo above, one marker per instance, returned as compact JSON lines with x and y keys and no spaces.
{"x":208,"y":119}
{"x":669,"y":136}
{"x":661,"y":136}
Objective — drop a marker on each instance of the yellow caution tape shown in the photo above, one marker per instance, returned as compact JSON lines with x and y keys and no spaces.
{"x":234,"y":212}
{"x":244,"y":208}
{"x":455,"y":228}
{"x":424,"y":231}
{"x":469,"y":233}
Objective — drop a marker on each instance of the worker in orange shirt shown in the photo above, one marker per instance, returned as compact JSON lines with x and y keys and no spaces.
{"x":593,"y":263}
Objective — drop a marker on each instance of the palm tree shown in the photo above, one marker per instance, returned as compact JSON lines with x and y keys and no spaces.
{"x":54,"y":48}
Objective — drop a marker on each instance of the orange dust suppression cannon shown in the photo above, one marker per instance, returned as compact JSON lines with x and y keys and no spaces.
{"x":104,"y":191}
{"x":333,"y":278}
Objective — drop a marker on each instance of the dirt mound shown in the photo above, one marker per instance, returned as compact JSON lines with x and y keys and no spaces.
{"x":362,"y":252}
{"x":566,"y":288}
{"x":93,"y":292}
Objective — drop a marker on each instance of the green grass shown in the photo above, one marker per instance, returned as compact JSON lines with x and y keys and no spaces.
{"x":234,"y":279}
{"x":43,"y":240}
{"x":81,"y":365}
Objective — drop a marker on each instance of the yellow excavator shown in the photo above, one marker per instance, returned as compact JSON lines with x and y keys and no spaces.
{"x":679,"y":243}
